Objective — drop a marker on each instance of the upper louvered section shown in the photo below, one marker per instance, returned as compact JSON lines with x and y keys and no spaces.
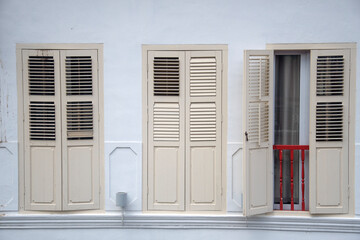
{"x":41,"y":74}
{"x":258,"y":74}
{"x":203,"y":77}
{"x":166,"y":76}
{"x":79,"y":120}
{"x":166,"y":122}
{"x":329,"y":121}
{"x":79,"y":75}
{"x":330,"y":76}
{"x":258,"y":123}
{"x":203,"y":122}
{"x":42,"y":120}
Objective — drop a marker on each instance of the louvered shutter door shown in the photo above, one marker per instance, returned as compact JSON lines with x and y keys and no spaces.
{"x":42,"y":129}
{"x":203,"y":130}
{"x":329,"y":97}
{"x":258,"y":138}
{"x":80,"y":129}
{"x":166,"y":130}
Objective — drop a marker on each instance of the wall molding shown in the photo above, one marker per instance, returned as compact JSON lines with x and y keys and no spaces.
{"x":8,"y":176}
{"x":123,"y":171}
{"x":147,"y":221}
{"x":234,"y":177}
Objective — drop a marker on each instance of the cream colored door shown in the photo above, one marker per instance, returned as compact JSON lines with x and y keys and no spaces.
{"x":42,"y":134}
{"x":329,"y":143}
{"x":80,"y":129}
{"x":203,"y":130}
{"x":166,"y":128}
{"x":258,"y":136}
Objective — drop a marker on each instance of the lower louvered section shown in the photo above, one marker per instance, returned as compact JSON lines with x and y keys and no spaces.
{"x":253,"y":129}
{"x":329,"y":121}
{"x":258,"y":123}
{"x":203,"y":77}
{"x":166,"y":122}
{"x":42,"y":120}
{"x":203,"y":122}
{"x":264,"y":123}
{"x":79,"y":120}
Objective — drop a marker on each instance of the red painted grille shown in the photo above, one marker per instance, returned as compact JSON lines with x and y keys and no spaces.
{"x":279,"y":150}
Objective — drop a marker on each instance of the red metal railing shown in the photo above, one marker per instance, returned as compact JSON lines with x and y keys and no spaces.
{"x":301,"y":148}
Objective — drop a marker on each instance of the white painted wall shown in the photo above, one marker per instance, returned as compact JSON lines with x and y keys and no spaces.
{"x":123,"y":26}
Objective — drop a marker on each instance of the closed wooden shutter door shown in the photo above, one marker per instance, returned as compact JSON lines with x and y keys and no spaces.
{"x":203,"y":130}
{"x":258,"y":137}
{"x":166,"y":126}
{"x":329,"y":98}
{"x":80,"y":129}
{"x":42,"y":129}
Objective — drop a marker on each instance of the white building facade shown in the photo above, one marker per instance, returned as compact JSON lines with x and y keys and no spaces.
{"x":181,"y":147}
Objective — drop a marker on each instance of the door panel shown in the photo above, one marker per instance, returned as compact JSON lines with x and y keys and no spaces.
{"x":203,"y":130}
{"x":165,"y":137}
{"x":328,"y":153}
{"x":258,"y":136}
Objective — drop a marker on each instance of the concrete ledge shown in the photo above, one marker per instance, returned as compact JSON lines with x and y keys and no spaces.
{"x":152,"y":221}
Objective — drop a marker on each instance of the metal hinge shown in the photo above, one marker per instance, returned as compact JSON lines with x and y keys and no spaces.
{"x":147,"y":190}
{"x":147,"y":114}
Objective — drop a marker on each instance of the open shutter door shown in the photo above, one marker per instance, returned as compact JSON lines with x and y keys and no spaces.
{"x":258,"y":138}
{"x":42,"y":130}
{"x":166,"y":130}
{"x":329,"y":161}
{"x":80,"y":130}
{"x":203,"y":130}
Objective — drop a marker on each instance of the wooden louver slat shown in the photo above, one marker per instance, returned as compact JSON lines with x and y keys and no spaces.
{"x":330,"y":76}
{"x":329,"y":121}
{"x":203,"y":77}
{"x":166,"y":76}
{"x":79,"y":120}
{"x":79,"y":75}
{"x":258,"y":122}
{"x":41,"y":75}
{"x":203,"y":122}
{"x":42,"y":120}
